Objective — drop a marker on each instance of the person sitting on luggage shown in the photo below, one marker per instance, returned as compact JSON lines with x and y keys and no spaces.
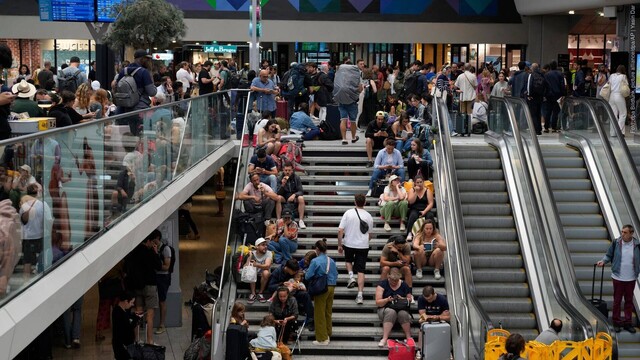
{"x":261,"y":258}
{"x":264,"y":166}
{"x":269,"y":137}
{"x":388,"y":161}
{"x":290,"y":191}
{"x":514,"y":347}
{"x":394,"y":203}
{"x":285,"y":242}
{"x":301,"y":122}
{"x":267,"y":337}
{"x":403,"y":132}
{"x":480,"y":110}
{"x":396,"y":255}
{"x":429,"y":248}
{"x":258,"y":197}
{"x":419,"y":159}
{"x":377,"y":132}
{"x":432,"y":307}
{"x":393,"y":298}
{"x":284,"y":309}
{"x":420,"y":203}
{"x":284,"y":273}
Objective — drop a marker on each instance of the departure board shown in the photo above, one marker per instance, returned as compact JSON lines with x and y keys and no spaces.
{"x":67,"y":10}
{"x":105,"y":11}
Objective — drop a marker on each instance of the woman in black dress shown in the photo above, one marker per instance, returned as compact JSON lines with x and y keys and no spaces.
{"x":124,"y":323}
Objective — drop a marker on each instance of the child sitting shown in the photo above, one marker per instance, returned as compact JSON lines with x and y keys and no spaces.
{"x":266,"y":338}
{"x":294,"y":284}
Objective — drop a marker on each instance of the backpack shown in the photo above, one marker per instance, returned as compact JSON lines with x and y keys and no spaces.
{"x":291,"y":153}
{"x":398,"y":84}
{"x":127,"y":94}
{"x":295,"y":82}
{"x":173,"y":256}
{"x":235,"y":80}
{"x":328,"y":132}
{"x":536,"y":86}
{"x":479,"y":128}
{"x":422,"y":132}
{"x":69,"y":82}
{"x":346,"y":84}
{"x":411,"y":84}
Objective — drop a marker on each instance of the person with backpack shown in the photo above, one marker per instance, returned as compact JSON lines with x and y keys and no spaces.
{"x":163,"y":277}
{"x":297,"y":86}
{"x":71,"y":77}
{"x":322,"y":88}
{"x":535,"y":89}
{"x":134,"y":88}
{"x":346,"y":92}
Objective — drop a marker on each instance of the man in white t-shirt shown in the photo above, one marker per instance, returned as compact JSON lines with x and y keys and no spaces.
{"x":356,"y":243}
{"x":185,"y":76}
{"x":261,"y":258}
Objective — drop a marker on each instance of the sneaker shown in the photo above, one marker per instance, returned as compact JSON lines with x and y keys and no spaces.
{"x":382,"y":343}
{"x":352,"y":283}
{"x":252,"y":299}
{"x":630,"y":329}
{"x":369,"y":163}
{"x":160,"y":330}
{"x":436,"y":274}
{"x":387,"y":227}
{"x":301,"y":224}
{"x":75,"y":343}
{"x":418,"y":355}
{"x":368,"y":193}
{"x":419,"y":274}
{"x":321,"y":343}
{"x":261,"y":298}
{"x":353,"y":141}
{"x":453,"y":133}
{"x":359,"y":300}
{"x":403,"y":227}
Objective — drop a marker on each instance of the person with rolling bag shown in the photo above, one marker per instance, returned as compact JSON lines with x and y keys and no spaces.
{"x":434,"y":337}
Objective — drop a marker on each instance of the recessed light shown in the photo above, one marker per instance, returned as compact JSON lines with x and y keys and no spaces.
{"x":571,"y":12}
{"x":197,"y":43}
{"x":600,"y":13}
{"x":173,"y":41}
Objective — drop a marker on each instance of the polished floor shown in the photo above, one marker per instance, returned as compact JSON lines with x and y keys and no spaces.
{"x":195,"y":257}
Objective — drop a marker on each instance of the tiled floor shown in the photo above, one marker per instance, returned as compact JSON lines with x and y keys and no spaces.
{"x":195,"y":257}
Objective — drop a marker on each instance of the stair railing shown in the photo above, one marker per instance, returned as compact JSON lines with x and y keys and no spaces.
{"x":472,"y":321}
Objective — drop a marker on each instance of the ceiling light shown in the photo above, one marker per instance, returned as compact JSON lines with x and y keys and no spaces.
{"x":600,"y":13}
{"x":571,"y":12}
{"x":197,"y":43}
{"x":173,"y":41}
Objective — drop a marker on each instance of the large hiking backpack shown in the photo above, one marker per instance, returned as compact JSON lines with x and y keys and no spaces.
{"x":411,"y":84}
{"x":295,"y":82}
{"x":69,"y":82}
{"x":127,"y":94}
{"x":345,"y":85}
{"x":291,"y":153}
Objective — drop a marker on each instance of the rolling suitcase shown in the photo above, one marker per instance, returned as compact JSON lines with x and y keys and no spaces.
{"x":282,"y":109}
{"x":462,"y":123}
{"x":599,"y":304}
{"x":436,"y":340}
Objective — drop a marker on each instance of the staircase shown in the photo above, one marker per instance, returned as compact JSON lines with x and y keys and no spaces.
{"x":334,"y":174}
{"x":584,"y":227}
{"x":494,"y":250}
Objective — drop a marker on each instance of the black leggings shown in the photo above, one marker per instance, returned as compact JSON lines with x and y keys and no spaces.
{"x":414,"y":215}
{"x":187,"y":216}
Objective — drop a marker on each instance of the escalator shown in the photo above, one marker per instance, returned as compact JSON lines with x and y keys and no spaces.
{"x":495,"y":254}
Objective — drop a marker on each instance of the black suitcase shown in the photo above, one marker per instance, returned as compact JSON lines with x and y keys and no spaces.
{"x":599,"y":304}
{"x":462,"y":123}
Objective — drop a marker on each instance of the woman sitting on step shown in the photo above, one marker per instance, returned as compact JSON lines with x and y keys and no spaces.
{"x":429,"y":248}
{"x":393,"y":299}
{"x":394,"y":203}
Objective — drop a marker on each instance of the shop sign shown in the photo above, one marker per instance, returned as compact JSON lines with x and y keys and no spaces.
{"x":162,"y":56}
{"x":220,"y":49}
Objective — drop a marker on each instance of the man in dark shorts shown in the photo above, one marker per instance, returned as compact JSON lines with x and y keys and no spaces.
{"x":356,"y":243}
{"x":376,"y":133}
{"x":163,"y":279}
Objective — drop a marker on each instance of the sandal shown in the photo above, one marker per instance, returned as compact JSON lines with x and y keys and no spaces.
{"x":344,"y":142}
{"x":354,"y":140}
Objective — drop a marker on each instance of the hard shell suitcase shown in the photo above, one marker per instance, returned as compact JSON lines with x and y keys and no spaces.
{"x":282,"y":109}
{"x":436,"y":340}
{"x":599,"y":304}
{"x":462,"y":123}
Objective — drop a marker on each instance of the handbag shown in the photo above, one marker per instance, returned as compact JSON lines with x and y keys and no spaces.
{"x":318,"y":284}
{"x":605,"y":92}
{"x":399,"y":305}
{"x":249,"y":272}
{"x":401,"y":350}
{"x":283,"y":349}
{"x":364,"y":227}
{"x":625,"y":91}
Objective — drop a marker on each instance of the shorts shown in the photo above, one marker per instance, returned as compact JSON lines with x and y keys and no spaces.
{"x":164,"y":281}
{"x":357,"y":257}
{"x":147,"y":297}
{"x":30,"y":250}
{"x":378,"y":143}
{"x":348,"y":111}
{"x":388,"y":315}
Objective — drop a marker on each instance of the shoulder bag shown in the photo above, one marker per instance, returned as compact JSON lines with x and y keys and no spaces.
{"x":318,"y":284}
{"x":364,"y":227}
{"x":625,"y":91}
{"x":249,"y":272}
{"x":605,"y":92}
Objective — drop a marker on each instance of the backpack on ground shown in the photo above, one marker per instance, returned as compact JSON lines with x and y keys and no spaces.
{"x":173,"y":256}
{"x":69,"y":82}
{"x":479,"y":128}
{"x":411,"y":84}
{"x":535,"y":84}
{"x":127,"y":94}
{"x":329,"y":132}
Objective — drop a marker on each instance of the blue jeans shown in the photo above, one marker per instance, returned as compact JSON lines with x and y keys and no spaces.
{"x":348,"y":111}
{"x":309,"y":135}
{"x":270,"y":180}
{"x":283,"y":249}
{"x":380,"y":173}
{"x":72,"y":319}
{"x":403,"y":145}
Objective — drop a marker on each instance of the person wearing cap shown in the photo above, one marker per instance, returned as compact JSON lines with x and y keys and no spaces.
{"x":394,"y":203}
{"x":73,"y":70}
{"x":144,"y":83}
{"x":258,"y":197}
{"x":396,"y":254}
{"x":24,"y":100}
{"x":23,"y":180}
{"x":264,"y":166}
{"x":388,"y":161}
{"x":261,"y":258}
{"x":290,"y":191}
{"x":285,"y":242}
{"x":377,"y":132}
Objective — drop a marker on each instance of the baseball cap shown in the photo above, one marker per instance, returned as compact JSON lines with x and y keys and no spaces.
{"x":286,"y":213}
{"x":26,"y":168}
{"x":95,"y":85}
{"x":141,"y":53}
{"x":380,"y":113}
{"x":260,"y":241}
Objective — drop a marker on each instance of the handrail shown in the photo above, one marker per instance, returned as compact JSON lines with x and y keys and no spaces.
{"x":555,"y":239}
{"x":457,"y":236}
{"x":538,"y":229}
{"x":46,"y":159}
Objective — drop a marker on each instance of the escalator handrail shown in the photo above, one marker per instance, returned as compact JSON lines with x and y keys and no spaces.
{"x":459,"y":236}
{"x":548,"y":235}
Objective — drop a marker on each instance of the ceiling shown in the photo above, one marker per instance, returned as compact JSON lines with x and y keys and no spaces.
{"x":590,"y":22}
